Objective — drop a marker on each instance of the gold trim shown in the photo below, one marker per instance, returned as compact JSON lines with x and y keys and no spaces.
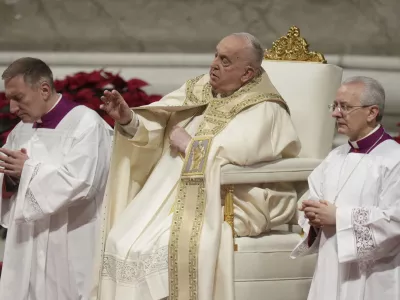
{"x":191,"y":197}
{"x":191,"y":88}
{"x":293,"y":47}
{"x":229,"y":212}
{"x":196,"y":158}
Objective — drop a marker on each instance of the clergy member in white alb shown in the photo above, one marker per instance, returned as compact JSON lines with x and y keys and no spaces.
{"x":53,"y":170}
{"x":352,"y":218}
{"x":164,"y":233}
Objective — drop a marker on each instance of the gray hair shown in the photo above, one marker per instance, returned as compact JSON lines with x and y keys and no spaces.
{"x":32,"y":69}
{"x":257,"y":49}
{"x":373,"y":93}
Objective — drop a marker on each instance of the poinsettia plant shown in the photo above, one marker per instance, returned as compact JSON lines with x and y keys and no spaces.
{"x":85,"y":88}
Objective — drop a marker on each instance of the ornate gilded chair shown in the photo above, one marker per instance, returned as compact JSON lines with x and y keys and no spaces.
{"x":263,"y":269}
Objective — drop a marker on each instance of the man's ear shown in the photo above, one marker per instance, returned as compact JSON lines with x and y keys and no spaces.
{"x":373,"y":113}
{"x":249,"y":74}
{"x":45,"y":90}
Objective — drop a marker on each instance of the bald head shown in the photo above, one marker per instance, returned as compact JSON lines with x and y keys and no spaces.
{"x":237,"y":61}
{"x":252,"y":47}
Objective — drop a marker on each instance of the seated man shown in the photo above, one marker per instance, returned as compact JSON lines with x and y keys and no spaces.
{"x":53,"y":172}
{"x":352,"y":217}
{"x":163,"y":233}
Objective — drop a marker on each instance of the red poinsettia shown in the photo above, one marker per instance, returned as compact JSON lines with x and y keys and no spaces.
{"x":86,"y":89}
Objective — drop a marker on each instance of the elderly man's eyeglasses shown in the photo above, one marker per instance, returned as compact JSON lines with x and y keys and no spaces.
{"x":344,"y":108}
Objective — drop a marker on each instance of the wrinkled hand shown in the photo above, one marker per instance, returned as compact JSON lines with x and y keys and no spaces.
{"x":179,"y":139}
{"x":12,"y":162}
{"x":319,"y":213}
{"x":116,"y":107}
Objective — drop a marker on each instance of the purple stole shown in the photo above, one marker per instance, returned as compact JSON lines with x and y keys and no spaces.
{"x":367,"y":144}
{"x":54,"y":116}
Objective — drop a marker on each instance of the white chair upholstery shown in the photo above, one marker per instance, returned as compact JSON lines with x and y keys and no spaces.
{"x":263,"y":269}
{"x":308,"y":88}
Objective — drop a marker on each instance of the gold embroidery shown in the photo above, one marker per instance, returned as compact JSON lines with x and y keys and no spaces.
{"x":195,"y":162}
{"x":191,"y":98}
{"x":192,"y":176}
{"x":197,"y":158}
{"x":195,"y":238}
{"x":216,"y":117}
{"x":174,"y":240}
{"x":218,"y":114}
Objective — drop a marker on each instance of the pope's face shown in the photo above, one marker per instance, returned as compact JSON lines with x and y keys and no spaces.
{"x":230,"y":68}
{"x":352,"y":118}
{"x":27,"y":101}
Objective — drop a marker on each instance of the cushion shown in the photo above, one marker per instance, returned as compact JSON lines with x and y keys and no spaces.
{"x":272,"y":290}
{"x":267,"y":258}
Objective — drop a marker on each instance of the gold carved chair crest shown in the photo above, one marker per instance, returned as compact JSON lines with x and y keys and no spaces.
{"x":292,"y":47}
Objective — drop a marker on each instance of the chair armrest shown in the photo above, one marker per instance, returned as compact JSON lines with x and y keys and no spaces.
{"x":283,"y":170}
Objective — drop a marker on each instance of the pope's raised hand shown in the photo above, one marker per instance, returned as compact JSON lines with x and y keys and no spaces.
{"x":116,"y":107}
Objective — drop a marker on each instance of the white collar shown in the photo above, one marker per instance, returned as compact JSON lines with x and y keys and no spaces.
{"x":59,"y":98}
{"x":355,"y":143}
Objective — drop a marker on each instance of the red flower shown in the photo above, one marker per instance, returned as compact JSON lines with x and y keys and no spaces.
{"x":118,"y":82}
{"x":134,"y":84}
{"x":86,"y":88}
{"x":95,"y":77}
{"x":60,"y":85}
{"x":154,"y":98}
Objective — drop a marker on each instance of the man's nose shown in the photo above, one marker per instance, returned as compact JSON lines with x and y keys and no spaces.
{"x":336,"y":113}
{"x":214,"y":64}
{"x":13,"y":107}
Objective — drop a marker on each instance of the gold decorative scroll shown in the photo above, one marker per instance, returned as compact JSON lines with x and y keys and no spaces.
{"x":293,"y":47}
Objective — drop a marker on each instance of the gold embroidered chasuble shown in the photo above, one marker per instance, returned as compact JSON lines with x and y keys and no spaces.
{"x":191,"y":198}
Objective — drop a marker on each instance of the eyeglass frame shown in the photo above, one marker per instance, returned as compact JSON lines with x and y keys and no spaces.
{"x":332,"y":107}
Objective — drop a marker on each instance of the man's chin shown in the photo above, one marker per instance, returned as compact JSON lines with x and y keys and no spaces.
{"x":25,"y":119}
{"x":342,"y":129}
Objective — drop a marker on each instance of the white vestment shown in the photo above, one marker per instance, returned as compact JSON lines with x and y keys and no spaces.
{"x":53,"y":218}
{"x":135,"y":262}
{"x":359,"y":259}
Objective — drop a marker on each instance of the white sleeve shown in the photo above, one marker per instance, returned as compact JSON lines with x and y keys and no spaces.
{"x":46,"y":189}
{"x":310,"y":242}
{"x":146,"y":128}
{"x":373,"y":232}
{"x":5,"y":199}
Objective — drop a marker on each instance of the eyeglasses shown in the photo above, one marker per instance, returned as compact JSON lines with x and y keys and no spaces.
{"x":344,"y":108}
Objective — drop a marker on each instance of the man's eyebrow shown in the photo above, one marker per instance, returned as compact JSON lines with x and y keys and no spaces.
{"x":223,"y":56}
{"x":13,"y":95}
{"x":341,"y":101}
